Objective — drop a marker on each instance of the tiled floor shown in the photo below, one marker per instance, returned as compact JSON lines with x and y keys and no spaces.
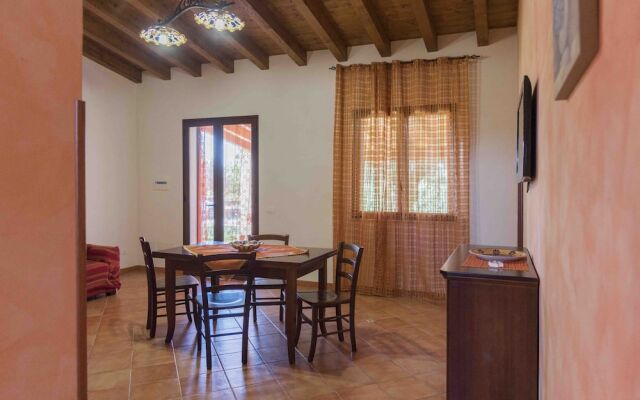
{"x":401,"y":355}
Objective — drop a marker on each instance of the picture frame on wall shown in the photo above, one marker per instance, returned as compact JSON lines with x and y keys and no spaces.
{"x":575,"y":42}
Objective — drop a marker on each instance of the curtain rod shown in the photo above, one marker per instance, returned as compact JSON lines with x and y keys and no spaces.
{"x":334,"y":67}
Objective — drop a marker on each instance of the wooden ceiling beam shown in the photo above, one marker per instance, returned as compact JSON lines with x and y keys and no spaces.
{"x":94,"y":51}
{"x":265,"y":17}
{"x":425,"y":24}
{"x":481,"y":17}
{"x":114,"y":41}
{"x":245,"y":46}
{"x":193,"y":41}
{"x":190,"y":66}
{"x":318,"y":17}
{"x":373,"y":25}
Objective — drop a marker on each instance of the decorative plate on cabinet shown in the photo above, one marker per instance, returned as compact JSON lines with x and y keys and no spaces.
{"x":498,"y":254}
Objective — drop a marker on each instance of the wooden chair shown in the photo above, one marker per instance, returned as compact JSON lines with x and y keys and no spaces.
{"x":215,"y":297}
{"x":319,"y":301}
{"x":269,"y":284}
{"x":185,"y":284}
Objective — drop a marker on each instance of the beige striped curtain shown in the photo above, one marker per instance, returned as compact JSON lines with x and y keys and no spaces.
{"x":401,"y":169}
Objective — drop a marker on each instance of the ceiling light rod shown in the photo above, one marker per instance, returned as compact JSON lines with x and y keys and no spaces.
{"x":185,"y":5}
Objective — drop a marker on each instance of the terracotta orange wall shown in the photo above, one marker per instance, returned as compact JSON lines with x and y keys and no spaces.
{"x":582,"y":215}
{"x":40,"y":78}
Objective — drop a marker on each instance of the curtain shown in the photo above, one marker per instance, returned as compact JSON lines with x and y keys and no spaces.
{"x":401,"y":169}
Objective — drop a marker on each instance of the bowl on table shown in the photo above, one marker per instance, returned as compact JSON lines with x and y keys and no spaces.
{"x":245,"y":246}
{"x":498,"y":254}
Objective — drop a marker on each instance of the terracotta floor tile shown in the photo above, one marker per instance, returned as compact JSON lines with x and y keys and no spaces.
{"x":109,"y":380}
{"x":266,"y":329}
{"x":109,"y":394}
{"x":161,"y":390}
{"x":220,"y":395}
{"x":251,"y":375}
{"x":380,"y":368}
{"x":153,"y":373}
{"x":401,"y":350}
{"x":323,"y":346}
{"x":93,"y":323}
{"x":188,"y":352}
{"x":420,"y":364}
{"x":198,"y":366}
{"x":328,"y":362}
{"x":115,"y":360}
{"x":110,"y":340}
{"x":388,"y":323}
{"x":307,"y":389}
{"x":270,"y":340}
{"x":185,"y":339}
{"x":143,"y":358}
{"x":351,"y":376}
{"x":274,"y":354}
{"x":438,"y":381}
{"x":367,"y":392}
{"x":264,"y":391}
{"x":229,"y":346}
{"x":326,"y":396}
{"x":234,"y":360}
{"x":407,"y":389}
{"x":204,"y":383}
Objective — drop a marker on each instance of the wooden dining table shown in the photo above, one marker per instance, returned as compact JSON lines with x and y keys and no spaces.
{"x":287,"y":268}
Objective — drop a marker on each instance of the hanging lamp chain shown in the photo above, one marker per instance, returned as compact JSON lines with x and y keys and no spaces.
{"x":185,"y":5}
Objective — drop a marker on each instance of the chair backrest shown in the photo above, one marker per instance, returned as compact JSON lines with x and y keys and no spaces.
{"x":148,"y":263}
{"x":271,"y":236}
{"x":242,"y":268}
{"x":348,"y":267}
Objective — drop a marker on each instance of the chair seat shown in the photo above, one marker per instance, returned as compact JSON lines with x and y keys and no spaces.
{"x":327,"y":297}
{"x":268,"y":282}
{"x":224,"y":299}
{"x":182,"y":282}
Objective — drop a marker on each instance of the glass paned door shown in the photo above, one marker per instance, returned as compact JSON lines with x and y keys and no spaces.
{"x":205,"y":191}
{"x":237,"y":181}
{"x":220,"y":166}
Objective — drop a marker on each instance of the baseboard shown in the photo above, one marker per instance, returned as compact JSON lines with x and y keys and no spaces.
{"x":133,"y":268}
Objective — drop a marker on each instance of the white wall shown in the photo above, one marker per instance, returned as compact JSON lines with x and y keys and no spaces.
{"x":295,"y":105}
{"x":134,"y":137}
{"x":111,"y":166}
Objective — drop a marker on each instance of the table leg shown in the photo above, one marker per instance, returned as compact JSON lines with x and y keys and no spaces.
{"x":170,"y":297}
{"x":291,"y":314}
{"x":322,"y":285}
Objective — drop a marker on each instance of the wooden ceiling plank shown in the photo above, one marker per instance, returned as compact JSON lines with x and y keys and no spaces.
{"x":425,"y":24}
{"x":194,"y":43}
{"x":318,"y":17}
{"x":94,"y":51}
{"x":192,"y":67}
{"x":102,"y":33}
{"x":373,"y":25}
{"x":481,"y":17}
{"x":265,"y":17}
{"x":247,"y":48}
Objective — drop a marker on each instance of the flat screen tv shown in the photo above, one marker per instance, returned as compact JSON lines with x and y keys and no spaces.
{"x":526,"y":141}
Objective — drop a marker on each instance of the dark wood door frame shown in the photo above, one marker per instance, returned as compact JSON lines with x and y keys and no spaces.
{"x":81,"y":252}
{"x":218,"y":138}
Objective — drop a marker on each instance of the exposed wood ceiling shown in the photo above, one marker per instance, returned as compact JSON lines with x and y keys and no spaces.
{"x":274,"y":27}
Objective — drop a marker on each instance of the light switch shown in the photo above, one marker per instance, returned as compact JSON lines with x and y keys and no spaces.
{"x":160,"y":185}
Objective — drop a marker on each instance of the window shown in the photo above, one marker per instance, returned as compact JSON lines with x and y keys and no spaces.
{"x":405,"y":162}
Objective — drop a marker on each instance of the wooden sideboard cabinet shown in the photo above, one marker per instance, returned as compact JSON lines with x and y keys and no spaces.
{"x":492,"y":331}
